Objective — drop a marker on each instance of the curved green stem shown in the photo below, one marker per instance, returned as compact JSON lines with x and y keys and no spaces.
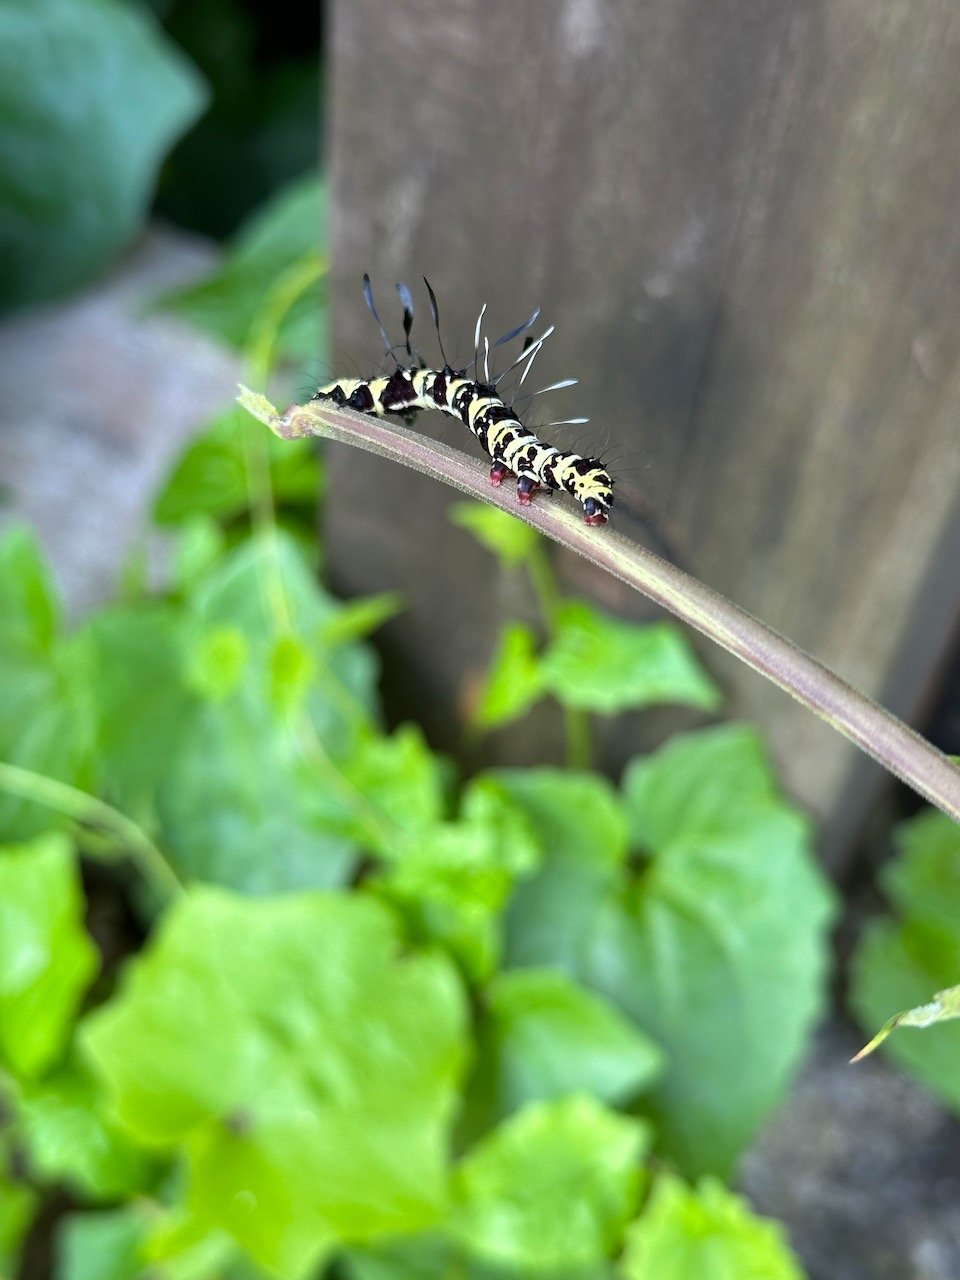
{"x":875,"y":730}
{"x":85,"y":808}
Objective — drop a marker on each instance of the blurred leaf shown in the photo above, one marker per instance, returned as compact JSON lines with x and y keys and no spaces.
{"x":69,"y":1140}
{"x":357,"y":619}
{"x":719,"y":949}
{"x":272,"y":240}
{"x":219,"y":659}
{"x":902,"y":959}
{"x":140,"y":700}
{"x":253,"y":799}
{"x":514,"y":682}
{"x":47,"y":961}
{"x":78,"y":172}
{"x":399,"y":783}
{"x":582,"y":826}
{"x":707,"y":1233}
{"x":716,"y":950}
{"x":319,"y":1111}
{"x":200,"y":545}
{"x":510,"y":540}
{"x":600,"y":664}
{"x":102,"y":1246}
{"x":18,"y":1204}
{"x":210,"y":479}
{"x":553,"y":1187}
{"x":944,"y":1007}
{"x":453,"y":879}
{"x":542,"y":1037}
{"x":45,"y":721}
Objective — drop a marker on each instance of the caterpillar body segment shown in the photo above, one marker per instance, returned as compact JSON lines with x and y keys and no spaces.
{"x":514,"y":448}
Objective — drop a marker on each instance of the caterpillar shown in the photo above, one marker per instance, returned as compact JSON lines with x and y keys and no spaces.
{"x":515,"y":450}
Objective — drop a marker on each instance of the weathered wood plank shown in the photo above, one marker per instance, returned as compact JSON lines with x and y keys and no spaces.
{"x":744,"y":220}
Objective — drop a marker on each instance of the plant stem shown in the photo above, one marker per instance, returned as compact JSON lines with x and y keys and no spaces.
{"x":875,"y":730}
{"x":85,"y":808}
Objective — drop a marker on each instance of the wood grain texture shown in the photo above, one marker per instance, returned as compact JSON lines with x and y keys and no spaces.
{"x":743,"y":217}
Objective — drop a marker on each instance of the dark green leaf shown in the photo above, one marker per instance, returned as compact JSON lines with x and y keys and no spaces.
{"x":903,"y":961}
{"x":287,"y":228}
{"x":319,"y":1111}
{"x":719,"y":950}
{"x":92,"y":95}
{"x":210,"y":478}
{"x":542,"y":1037}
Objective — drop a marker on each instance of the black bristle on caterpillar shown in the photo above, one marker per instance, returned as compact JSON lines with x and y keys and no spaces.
{"x":514,"y":449}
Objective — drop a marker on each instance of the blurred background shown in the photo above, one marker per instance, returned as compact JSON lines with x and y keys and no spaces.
{"x":741,"y":217}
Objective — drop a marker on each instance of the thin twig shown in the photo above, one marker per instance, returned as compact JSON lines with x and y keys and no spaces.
{"x":874,"y":729}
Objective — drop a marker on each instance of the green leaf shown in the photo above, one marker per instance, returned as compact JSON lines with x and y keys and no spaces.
{"x":45,"y":722}
{"x":902,"y":960}
{"x":510,"y":540}
{"x":360,"y":618}
{"x":542,"y":1037}
{"x":210,"y":479}
{"x":140,"y":700}
{"x":719,"y":949}
{"x":319,"y":1112}
{"x":101,"y":1246}
{"x":78,"y":173}
{"x":69,"y":1140}
{"x":598,"y":663}
{"x":707,"y":1233}
{"x":514,"y":681}
{"x":944,"y":1007}
{"x":254,"y":798}
{"x":454,"y":878}
{"x":399,"y":784}
{"x":200,"y":545}
{"x":18,"y":1204}
{"x":583,"y":829}
{"x":226,"y":305}
{"x":551,"y":1188}
{"x":46,"y":959}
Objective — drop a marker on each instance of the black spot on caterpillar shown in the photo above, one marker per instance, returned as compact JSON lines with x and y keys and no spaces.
{"x":516,"y":451}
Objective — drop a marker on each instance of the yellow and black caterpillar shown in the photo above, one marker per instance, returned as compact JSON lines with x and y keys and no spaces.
{"x":514,"y":448}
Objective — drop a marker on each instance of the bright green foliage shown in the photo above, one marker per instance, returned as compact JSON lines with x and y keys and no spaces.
{"x":704,"y":1234}
{"x":599,"y":663}
{"x":77,"y":172}
{"x":283,"y":232}
{"x":716,"y":950}
{"x":514,"y":682}
{"x":44,"y":716}
{"x":541,"y":1036}
{"x":902,"y":961}
{"x":359,"y":618}
{"x":251,"y":798}
{"x":552,"y":1188}
{"x":68,"y":1139}
{"x":309,"y":1071}
{"x":400,"y":786}
{"x":594,"y":663}
{"x":510,"y":540}
{"x":453,"y":879}
{"x":211,"y":477}
{"x":47,"y":961}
